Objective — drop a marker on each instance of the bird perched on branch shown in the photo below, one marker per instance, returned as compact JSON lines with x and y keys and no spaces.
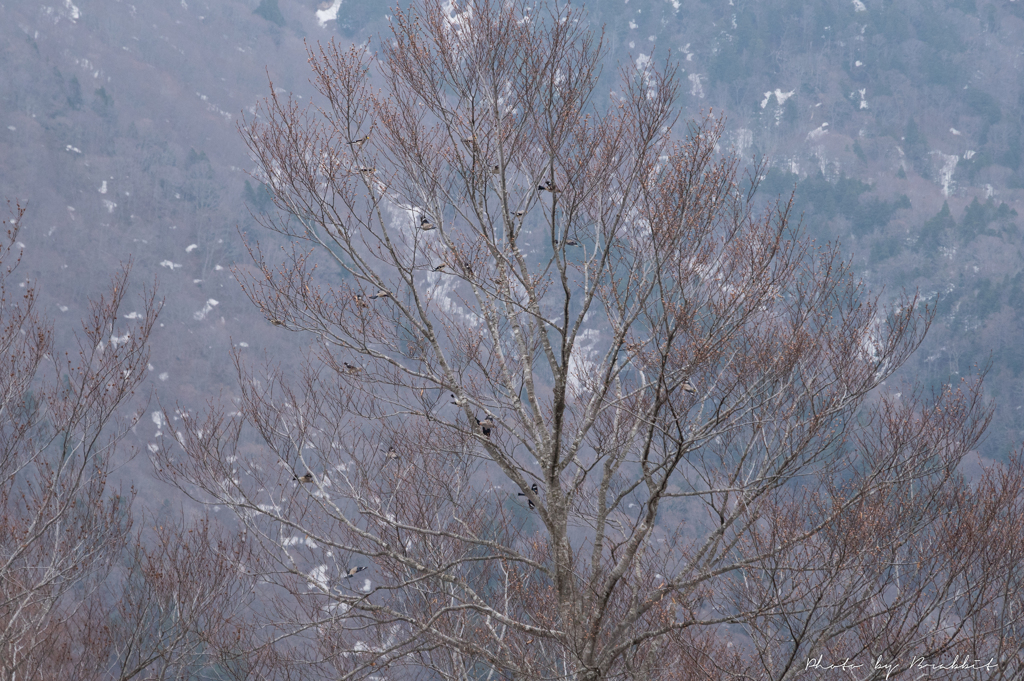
{"x":485,"y":425}
{"x":308,"y":477}
{"x":548,"y":186}
{"x":496,"y":169}
{"x":425,"y":224}
{"x":456,"y":401}
{"x":352,"y":571}
{"x":570,"y":242}
{"x":351,"y":368}
{"x":380,"y":294}
{"x":441,"y":267}
{"x":359,"y":142}
{"x":519,"y":213}
{"x":391,"y":455}
{"x":367,"y":171}
{"x":688,"y":387}
{"x":535,"y":490}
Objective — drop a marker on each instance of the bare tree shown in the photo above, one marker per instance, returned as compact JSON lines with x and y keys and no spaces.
{"x":577,"y":406}
{"x":82,"y":595}
{"x":62,"y":527}
{"x":180,"y":608}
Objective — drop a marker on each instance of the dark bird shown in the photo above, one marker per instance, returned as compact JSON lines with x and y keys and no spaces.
{"x":548,"y":186}
{"x":468,"y":267}
{"x":496,"y":169}
{"x":571,"y":242}
{"x":351,"y":368}
{"x":380,"y":294}
{"x":308,"y":477}
{"x":688,"y":387}
{"x":277,"y":322}
{"x":352,"y":571}
{"x":535,"y":490}
{"x":485,"y":425}
{"x":359,"y":142}
{"x":425,"y":224}
{"x":456,"y":401}
{"x":367,"y":170}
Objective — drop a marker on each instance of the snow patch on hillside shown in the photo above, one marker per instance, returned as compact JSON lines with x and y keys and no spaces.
{"x":581,"y":366}
{"x":201,"y":314}
{"x":643,"y":66}
{"x":820,"y":131}
{"x":318,"y":578}
{"x":69,"y":12}
{"x":328,"y":14}
{"x":696,"y":89}
{"x":742,"y":139}
{"x":945,"y":174}
{"x":780,"y":96}
{"x":214,"y":108}
{"x":297,"y":541}
{"x":404,"y":214}
{"x":458,"y":20}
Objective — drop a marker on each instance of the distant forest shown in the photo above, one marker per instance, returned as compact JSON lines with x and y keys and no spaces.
{"x":898,"y":124}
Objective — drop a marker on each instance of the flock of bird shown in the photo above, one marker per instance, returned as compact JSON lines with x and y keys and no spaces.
{"x":535,"y":490}
{"x":485,"y":425}
{"x":426,"y":224}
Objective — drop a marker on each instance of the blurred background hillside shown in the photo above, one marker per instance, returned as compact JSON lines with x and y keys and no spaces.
{"x":901,"y":126}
